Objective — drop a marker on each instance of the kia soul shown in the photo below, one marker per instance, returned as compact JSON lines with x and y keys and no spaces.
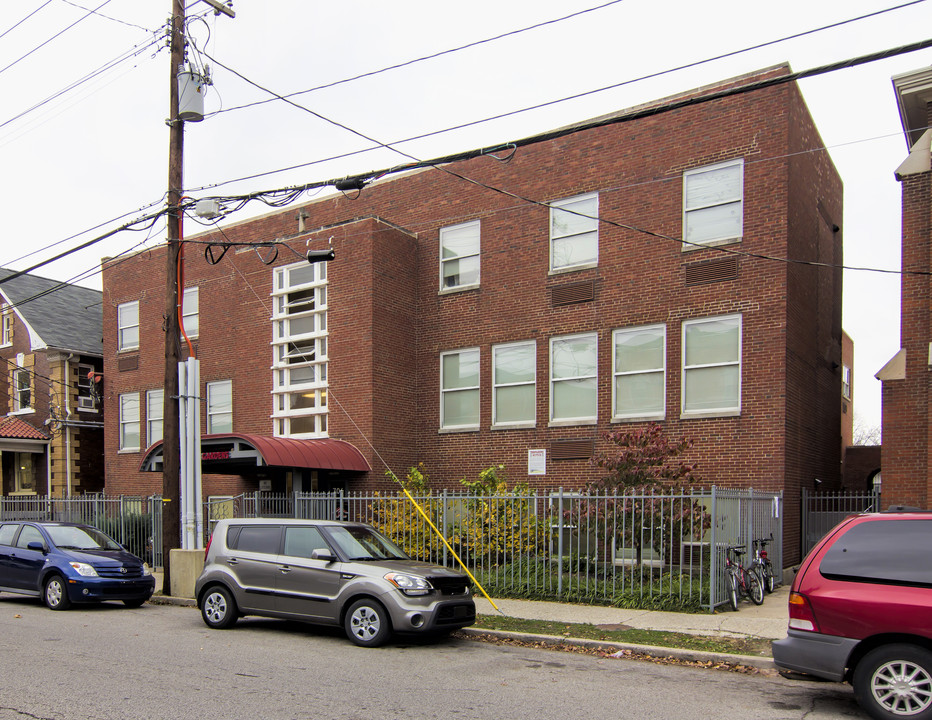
{"x":329,"y":573}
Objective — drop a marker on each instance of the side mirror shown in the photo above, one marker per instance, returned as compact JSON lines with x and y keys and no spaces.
{"x":321,"y":554}
{"x":37,"y":546}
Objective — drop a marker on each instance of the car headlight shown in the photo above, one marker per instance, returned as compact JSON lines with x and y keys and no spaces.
{"x":84,"y":569}
{"x":409,"y":584}
{"x":146,"y":570}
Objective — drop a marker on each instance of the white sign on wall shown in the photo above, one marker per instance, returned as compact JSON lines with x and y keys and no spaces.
{"x":536,"y":462}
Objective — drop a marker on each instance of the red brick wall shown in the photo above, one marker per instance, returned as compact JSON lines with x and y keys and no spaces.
{"x":388,"y":324}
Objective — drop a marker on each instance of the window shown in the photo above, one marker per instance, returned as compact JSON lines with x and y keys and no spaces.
{"x":639,"y":372}
{"x":7,"y":532}
{"x":712,"y":366}
{"x":514,"y":384}
{"x":299,"y":347}
{"x":155,"y":409}
{"x":459,"y":389}
{"x":29,"y":534}
{"x":220,"y":406}
{"x":459,"y":256}
{"x":713,"y":204}
{"x":302,"y":541}
{"x":574,"y":232}
{"x":22,"y":390}
{"x":190,"y":302}
{"x":129,"y":421}
{"x":883,"y":551}
{"x":6,"y":338}
{"x":264,"y":539}
{"x":128,"y":326}
{"x":87,"y":389}
{"x":573,"y":365}
{"x":846,"y":382}
{"x":24,"y":473}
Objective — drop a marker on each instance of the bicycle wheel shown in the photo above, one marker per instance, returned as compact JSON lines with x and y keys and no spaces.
{"x":770,"y":582}
{"x":755,"y":586}
{"x":732,"y":588}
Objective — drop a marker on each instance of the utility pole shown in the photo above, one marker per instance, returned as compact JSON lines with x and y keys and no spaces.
{"x":171,"y":458}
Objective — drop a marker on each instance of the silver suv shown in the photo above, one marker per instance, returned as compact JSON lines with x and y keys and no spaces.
{"x":331,"y":573}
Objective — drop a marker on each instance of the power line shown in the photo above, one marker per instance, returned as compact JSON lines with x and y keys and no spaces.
{"x":16,"y":25}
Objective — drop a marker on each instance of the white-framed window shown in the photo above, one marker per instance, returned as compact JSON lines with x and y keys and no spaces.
{"x":220,"y":406}
{"x":574,"y":232}
{"x":155,"y":412}
{"x":459,"y":256}
{"x":22,"y":390}
{"x":713,"y":204}
{"x":128,"y":325}
{"x":639,"y":372}
{"x":6,"y":334}
{"x":846,"y":382}
{"x":24,"y":473}
{"x":189,"y":311}
{"x":129,"y":422}
{"x":514,"y":384}
{"x":459,"y":389}
{"x":87,"y":399}
{"x":299,"y":350}
{"x":712,"y":366}
{"x":573,"y":379}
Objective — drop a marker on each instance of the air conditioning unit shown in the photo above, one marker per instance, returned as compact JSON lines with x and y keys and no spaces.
{"x":86,"y":403}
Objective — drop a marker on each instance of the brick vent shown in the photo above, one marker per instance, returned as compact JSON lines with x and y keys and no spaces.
{"x":712,"y":271}
{"x":571,"y":449}
{"x":128,"y":363}
{"x":572,"y":293}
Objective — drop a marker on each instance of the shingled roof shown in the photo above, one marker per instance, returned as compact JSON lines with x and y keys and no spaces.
{"x":18,"y":429}
{"x":65,"y":317}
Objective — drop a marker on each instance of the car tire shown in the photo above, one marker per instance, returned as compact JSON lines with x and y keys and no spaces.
{"x":895,"y":681}
{"x":134,"y":603}
{"x":367,"y":623}
{"x":55,"y":593}
{"x":218,"y":608}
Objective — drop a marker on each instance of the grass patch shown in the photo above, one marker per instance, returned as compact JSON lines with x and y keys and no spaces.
{"x":758,"y":647}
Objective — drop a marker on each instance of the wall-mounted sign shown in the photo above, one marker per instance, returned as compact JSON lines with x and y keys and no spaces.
{"x":536,"y":462}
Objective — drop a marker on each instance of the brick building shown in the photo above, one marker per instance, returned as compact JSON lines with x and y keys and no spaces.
{"x":628,"y":270}
{"x":51,"y":438}
{"x":907,"y":476}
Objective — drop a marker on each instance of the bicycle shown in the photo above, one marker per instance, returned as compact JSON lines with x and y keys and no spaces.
{"x":763,"y":564}
{"x":742,"y":580}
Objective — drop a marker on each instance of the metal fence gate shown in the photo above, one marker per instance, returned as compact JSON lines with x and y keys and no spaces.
{"x":821,"y":511}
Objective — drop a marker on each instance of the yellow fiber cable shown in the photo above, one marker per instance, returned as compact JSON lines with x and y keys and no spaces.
{"x":457,"y":557}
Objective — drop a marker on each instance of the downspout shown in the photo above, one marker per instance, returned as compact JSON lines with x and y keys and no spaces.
{"x":67,"y":427}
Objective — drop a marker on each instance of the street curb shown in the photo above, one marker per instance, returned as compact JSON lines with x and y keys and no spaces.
{"x":763,"y":664}
{"x":169,"y":600}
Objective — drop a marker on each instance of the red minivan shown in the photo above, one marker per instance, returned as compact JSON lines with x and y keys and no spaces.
{"x":860,"y":611}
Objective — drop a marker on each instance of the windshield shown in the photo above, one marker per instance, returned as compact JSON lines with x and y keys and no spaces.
{"x":363,"y":543}
{"x":70,"y":537}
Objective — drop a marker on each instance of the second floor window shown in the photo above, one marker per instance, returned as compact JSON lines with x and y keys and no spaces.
{"x":574,"y":232}
{"x":514,"y":383}
{"x":713,"y":204}
{"x":128,"y":326}
{"x":459,"y":256}
{"x":7,"y":329}
{"x":22,"y":390}
{"x":639,"y":370}
{"x":846,"y":382}
{"x":189,"y":312}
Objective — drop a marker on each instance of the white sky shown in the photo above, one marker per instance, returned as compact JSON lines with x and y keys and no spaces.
{"x":99,"y":151}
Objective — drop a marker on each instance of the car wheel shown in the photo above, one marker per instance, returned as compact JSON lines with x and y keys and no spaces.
{"x":895,"y":681}
{"x":55,"y":593}
{"x":134,"y":603}
{"x":367,"y":623}
{"x":218,"y":608}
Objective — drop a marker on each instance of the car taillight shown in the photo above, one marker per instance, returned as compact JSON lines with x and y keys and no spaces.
{"x":207,"y":549}
{"x":801,"y":615}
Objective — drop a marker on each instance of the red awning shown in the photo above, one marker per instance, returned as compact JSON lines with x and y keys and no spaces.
{"x":259,"y":450}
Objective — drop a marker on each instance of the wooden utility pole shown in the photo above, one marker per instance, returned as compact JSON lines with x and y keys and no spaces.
{"x":171,"y":455}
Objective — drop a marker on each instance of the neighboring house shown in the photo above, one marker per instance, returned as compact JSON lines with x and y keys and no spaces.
{"x":514,"y":317}
{"x":51,"y":442}
{"x":907,"y":425}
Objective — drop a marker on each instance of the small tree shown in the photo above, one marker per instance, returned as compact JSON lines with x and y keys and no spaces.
{"x":641,"y":467}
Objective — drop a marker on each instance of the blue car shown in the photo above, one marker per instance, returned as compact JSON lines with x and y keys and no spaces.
{"x":65,"y":563}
